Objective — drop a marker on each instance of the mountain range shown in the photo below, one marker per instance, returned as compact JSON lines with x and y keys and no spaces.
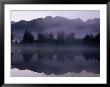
{"x":57,"y":24}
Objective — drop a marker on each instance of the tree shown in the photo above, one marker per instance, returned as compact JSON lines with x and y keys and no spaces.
{"x":88,"y":39}
{"x":91,"y":37}
{"x":41,"y":38}
{"x":50,"y":37}
{"x":61,"y":37}
{"x":28,"y":37}
{"x":12,"y":37}
{"x":97,"y":39}
{"x":70,"y":38}
{"x":91,"y":40}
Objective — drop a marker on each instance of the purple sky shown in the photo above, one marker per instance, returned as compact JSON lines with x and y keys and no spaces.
{"x":29,"y":15}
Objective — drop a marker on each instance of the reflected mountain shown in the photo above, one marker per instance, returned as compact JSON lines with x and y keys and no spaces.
{"x":56,"y":60}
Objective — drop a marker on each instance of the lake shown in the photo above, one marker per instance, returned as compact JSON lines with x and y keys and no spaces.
{"x":56,"y":60}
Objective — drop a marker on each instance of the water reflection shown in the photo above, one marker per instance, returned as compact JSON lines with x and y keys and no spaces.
{"x":27,"y":56}
{"x":56,"y":60}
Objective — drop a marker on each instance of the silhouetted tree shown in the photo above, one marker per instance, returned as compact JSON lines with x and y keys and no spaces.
{"x":12,"y":37}
{"x":61,"y":37}
{"x":41,"y":38}
{"x":51,"y":38}
{"x":28,"y":37}
{"x":16,"y":41}
{"x":91,"y":37}
{"x":70,"y":38}
{"x":97,"y":39}
{"x":88,"y":39}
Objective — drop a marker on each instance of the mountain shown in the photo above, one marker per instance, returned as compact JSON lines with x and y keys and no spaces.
{"x":12,"y":22}
{"x":56,"y":24}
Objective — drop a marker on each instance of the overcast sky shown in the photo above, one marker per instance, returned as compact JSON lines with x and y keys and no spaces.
{"x":29,"y":15}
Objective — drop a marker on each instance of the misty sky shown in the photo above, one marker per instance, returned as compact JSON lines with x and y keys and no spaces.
{"x":29,"y":15}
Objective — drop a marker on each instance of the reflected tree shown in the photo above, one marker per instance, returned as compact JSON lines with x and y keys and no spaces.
{"x":27,"y":55}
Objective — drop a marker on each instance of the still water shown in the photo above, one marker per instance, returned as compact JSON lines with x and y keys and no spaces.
{"x":56,"y":60}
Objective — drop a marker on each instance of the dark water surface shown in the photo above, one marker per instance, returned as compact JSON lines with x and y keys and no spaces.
{"x":56,"y":60}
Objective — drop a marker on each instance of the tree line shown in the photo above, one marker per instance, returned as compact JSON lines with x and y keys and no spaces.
{"x":61,"y":38}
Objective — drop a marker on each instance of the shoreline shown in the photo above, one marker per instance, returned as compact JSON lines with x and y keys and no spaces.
{"x":28,"y":73}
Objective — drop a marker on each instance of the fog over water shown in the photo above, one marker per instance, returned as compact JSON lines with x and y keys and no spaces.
{"x":55,"y":43}
{"x":56,"y":60}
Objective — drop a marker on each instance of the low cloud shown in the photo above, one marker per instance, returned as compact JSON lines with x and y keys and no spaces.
{"x":58,"y":23}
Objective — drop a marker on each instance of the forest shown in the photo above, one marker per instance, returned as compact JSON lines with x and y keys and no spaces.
{"x":60,"y":39}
